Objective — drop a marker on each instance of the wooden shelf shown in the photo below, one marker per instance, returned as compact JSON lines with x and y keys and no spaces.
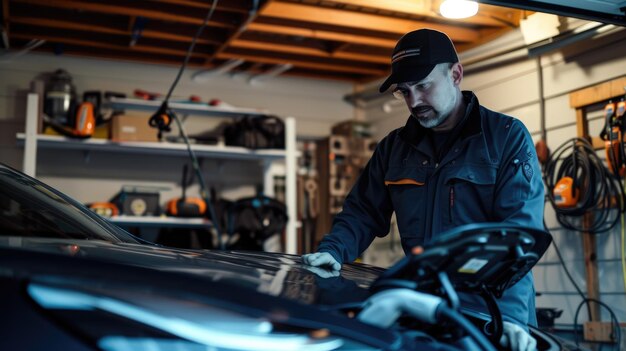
{"x":161,"y":148}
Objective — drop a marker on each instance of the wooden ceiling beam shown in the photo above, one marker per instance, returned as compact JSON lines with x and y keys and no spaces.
{"x":51,"y":23}
{"x":250,"y":18}
{"x":90,"y":43}
{"x":361,"y":21}
{"x":153,"y":50}
{"x":119,"y":56}
{"x":45,"y":22}
{"x":322,"y":34}
{"x":175,"y":37}
{"x":256,"y":67}
{"x":341,"y":47}
{"x":410,"y":7}
{"x":287,"y":48}
{"x":237,"y":6}
{"x":124,"y":11}
{"x":301,"y":63}
{"x":428,"y":9}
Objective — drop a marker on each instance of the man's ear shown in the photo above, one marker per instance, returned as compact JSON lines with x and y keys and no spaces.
{"x":457,"y":73}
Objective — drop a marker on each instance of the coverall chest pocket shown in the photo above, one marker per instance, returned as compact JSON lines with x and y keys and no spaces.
{"x":407,"y":189}
{"x":470,"y":193}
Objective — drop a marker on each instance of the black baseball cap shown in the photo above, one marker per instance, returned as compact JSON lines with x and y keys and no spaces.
{"x":416,"y":54}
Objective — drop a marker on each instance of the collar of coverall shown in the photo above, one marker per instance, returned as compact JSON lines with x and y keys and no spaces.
{"x":413,"y":132}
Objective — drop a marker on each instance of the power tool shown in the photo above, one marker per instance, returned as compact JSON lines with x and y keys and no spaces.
{"x":162,"y":119}
{"x":104,"y":209}
{"x":186,"y":206}
{"x":565,"y":194}
{"x":613,"y":138}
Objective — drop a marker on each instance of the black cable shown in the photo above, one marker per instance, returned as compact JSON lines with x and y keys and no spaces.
{"x":599,"y":190}
{"x":190,"y":50}
{"x":461,"y":321}
{"x":204,"y":193}
{"x":568,"y":274}
{"x":617,"y":329}
{"x":170,"y":113}
{"x":585,"y":300}
{"x":496,"y":326}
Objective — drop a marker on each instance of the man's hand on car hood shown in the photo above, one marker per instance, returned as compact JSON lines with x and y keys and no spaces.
{"x":321,"y":259}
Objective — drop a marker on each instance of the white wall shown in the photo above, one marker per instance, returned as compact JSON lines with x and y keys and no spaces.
{"x":96,"y":176}
{"x":514,"y":89}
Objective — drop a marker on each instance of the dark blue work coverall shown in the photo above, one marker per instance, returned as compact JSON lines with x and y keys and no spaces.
{"x":490,"y":173}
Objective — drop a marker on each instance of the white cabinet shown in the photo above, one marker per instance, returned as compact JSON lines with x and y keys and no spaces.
{"x":33,"y":141}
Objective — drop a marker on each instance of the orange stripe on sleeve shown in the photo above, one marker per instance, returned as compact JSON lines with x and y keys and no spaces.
{"x":403,"y":181}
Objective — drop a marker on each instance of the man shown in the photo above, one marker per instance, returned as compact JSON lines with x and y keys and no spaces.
{"x":453,"y":163}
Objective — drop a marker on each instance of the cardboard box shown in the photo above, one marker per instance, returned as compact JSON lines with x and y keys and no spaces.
{"x":132,"y":128}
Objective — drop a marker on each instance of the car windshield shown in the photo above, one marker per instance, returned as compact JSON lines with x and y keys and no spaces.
{"x":29,"y":208}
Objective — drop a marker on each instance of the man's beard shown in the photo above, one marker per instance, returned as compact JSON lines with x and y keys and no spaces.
{"x":427,"y":120}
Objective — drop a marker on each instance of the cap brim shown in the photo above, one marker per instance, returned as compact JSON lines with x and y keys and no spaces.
{"x":413,"y":74}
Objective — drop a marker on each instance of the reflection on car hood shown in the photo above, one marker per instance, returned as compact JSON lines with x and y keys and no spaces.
{"x":270,"y":273}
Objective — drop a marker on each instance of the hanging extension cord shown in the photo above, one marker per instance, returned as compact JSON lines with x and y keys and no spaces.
{"x":598,"y":189}
{"x":164,"y":116}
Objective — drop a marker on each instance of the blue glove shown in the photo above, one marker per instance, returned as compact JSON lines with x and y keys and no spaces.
{"x":323,"y":272}
{"x":321,"y":259}
{"x":516,"y":338}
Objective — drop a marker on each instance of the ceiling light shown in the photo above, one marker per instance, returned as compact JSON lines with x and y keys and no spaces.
{"x":458,"y":8}
{"x":204,"y":75}
{"x":272,"y":72}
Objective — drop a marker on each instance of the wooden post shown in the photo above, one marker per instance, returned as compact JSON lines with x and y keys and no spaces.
{"x":594,"y":330}
{"x":588,"y":239}
{"x":591,"y":269}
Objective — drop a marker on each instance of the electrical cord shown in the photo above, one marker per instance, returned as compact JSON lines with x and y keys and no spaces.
{"x":466,"y":325}
{"x":585,"y":300}
{"x":569,"y":276}
{"x":190,"y":50}
{"x":165,"y":111}
{"x":617,"y":329}
{"x":596,"y":186}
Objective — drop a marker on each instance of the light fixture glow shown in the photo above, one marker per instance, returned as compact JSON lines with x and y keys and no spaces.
{"x":458,"y":8}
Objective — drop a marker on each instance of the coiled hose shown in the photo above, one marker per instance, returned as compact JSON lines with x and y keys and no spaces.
{"x":600,"y":192}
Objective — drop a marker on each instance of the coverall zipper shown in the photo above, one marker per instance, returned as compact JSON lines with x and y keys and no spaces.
{"x":451,"y":202}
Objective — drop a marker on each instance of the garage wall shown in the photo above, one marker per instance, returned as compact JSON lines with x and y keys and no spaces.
{"x":513,"y":89}
{"x":96,"y":176}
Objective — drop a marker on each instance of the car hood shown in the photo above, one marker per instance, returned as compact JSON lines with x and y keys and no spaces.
{"x":275,"y":274}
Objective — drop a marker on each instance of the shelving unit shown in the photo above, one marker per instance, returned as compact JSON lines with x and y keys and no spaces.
{"x":32,"y":141}
{"x":162,"y":148}
{"x":153,"y":221}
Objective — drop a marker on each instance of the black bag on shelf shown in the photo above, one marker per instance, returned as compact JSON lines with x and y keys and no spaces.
{"x":255,"y":219}
{"x":256,"y":132}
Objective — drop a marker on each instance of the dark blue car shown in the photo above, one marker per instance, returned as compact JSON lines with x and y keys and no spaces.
{"x":71,"y":280}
